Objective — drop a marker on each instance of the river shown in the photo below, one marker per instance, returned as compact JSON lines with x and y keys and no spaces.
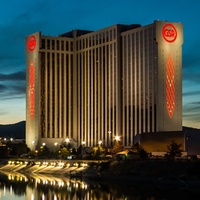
{"x":47,"y":187}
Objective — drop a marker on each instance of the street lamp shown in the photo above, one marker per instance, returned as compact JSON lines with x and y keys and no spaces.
{"x":83,"y":143}
{"x":110,"y":138}
{"x":117,"y":138}
{"x":100,"y":142}
{"x":67,"y":140}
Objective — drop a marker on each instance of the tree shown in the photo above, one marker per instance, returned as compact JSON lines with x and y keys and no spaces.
{"x":98,"y":151}
{"x":118,"y":147}
{"x":143,"y":154}
{"x":44,"y":152}
{"x":17,"y":149}
{"x":174,"y":149}
{"x":64,"y":153}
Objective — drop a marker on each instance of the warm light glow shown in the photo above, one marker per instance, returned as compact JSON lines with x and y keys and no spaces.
{"x":117,"y":138}
{"x":67,"y":140}
{"x":170,"y":86}
{"x":169,"y":33}
{"x":31,"y":43}
{"x":31,"y":89}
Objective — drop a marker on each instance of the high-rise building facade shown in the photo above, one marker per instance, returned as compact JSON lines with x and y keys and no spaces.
{"x":87,"y":86}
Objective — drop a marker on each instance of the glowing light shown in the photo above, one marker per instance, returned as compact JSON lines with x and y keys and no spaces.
{"x":31,"y":89}
{"x":31,"y":43}
{"x":170,"y":86}
{"x":67,"y":140}
{"x":169,"y":33}
{"x":117,"y":138}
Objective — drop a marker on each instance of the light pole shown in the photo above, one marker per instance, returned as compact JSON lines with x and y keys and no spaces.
{"x":117,"y":138}
{"x":56,"y":144}
{"x":82,"y":149}
{"x":110,"y":138}
{"x":67,"y":140}
{"x":100,"y":142}
{"x":33,"y":142}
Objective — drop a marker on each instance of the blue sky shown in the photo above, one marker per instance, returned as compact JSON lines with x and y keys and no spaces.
{"x":53,"y":17}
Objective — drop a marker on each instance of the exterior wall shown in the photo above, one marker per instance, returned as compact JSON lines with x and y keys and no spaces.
{"x":169,"y":37}
{"x":98,"y":101}
{"x":53,"y":109}
{"x":159,"y":141}
{"x":92,"y":87}
{"x":139,"y":90}
{"x":56,"y":88}
{"x":32,"y":90}
{"x":152,"y":80}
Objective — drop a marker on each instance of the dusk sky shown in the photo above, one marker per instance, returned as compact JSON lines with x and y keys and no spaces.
{"x":53,"y":17}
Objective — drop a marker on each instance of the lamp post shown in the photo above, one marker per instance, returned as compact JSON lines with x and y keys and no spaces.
{"x":187,"y":144}
{"x":100,"y":142}
{"x":67,"y":140}
{"x":56,"y":145}
{"x":117,"y":138}
{"x":33,"y":147}
{"x":82,"y":149}
{"x":110,"y":138}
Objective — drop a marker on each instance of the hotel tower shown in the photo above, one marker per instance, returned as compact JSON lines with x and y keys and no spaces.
{"x":90,"y":86}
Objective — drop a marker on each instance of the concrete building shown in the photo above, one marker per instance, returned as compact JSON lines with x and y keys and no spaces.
{"x":90,"y":86}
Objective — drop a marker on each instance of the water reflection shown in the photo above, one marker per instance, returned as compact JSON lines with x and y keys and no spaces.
{"x":47,"y":187}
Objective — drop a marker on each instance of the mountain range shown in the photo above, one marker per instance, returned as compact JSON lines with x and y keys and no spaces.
{"x":18,"y":130}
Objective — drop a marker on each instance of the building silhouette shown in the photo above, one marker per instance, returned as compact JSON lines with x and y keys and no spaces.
{"x":91,"y":86}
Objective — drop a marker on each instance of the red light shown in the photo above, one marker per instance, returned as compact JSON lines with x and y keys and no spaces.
{"x":169,"y":33}
{"x":31,"y":89}
{"x":170,"y":86}
{"x":31,"y":43}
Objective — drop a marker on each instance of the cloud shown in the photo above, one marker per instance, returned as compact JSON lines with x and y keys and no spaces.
{"x":21,"y":75}
{"x":2,"y":87}
{"x":13,"y":85}
{"x":191,"y":93}
{"x":191,"y":111}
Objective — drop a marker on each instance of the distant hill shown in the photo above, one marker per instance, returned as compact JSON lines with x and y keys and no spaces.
{"x":17,"y":130}
{"x":189,"y":129}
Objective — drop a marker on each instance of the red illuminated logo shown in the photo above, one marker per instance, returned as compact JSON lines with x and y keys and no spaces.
{"x":169,"y":33}
{"x":32,"y":89}
{"x":31,"y":43}
{"x":170,"y":86}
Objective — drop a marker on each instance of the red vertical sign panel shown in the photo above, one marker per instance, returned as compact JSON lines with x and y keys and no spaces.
{"x":170,"y":86}
{"x":32,"y":89}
